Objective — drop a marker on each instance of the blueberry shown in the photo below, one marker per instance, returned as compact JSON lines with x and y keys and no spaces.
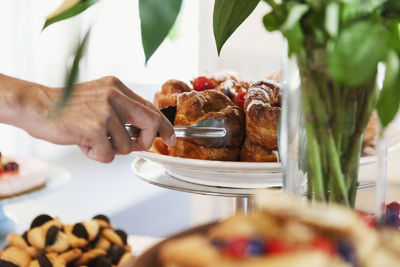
{"x":218,"y":243}
{"x":391,"y":219}
{"x":227,"y":92}
{"x":256,"y":247}
{"x":346,"y":251}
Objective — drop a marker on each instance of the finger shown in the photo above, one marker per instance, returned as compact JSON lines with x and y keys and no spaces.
{"x":141,"y":116}
{"x":138,"y":115}
{"x":167,"y":132}
{"x":102,"y":150}
{"x":120,"y":139}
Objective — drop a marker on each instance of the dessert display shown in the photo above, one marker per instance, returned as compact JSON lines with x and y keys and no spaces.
{"x":20,"y":176}
{"x":220,"y":95}
{"x":286,"y":232}
{"x":225,"y":94}
{"x":48,"y":243}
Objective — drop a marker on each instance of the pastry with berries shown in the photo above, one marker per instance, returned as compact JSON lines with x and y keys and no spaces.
{"x":285,"y":232}
{"x":48,"y":242}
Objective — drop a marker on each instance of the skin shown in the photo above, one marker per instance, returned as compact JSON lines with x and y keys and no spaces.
{"x":93,"y":118}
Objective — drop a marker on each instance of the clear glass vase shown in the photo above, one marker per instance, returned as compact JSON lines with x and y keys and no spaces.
{"x":322,"y":129}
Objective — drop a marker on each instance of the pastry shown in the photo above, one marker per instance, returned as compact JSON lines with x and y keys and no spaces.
{"x":195,"y":106}
{"x":20,"y":176}
{"x":48,"y":242}
{"x":262,"y":109}
{"x":169,"y":91}
{"x":287,"y":232}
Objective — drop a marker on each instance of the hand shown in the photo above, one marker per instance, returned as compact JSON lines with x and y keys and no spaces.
{"x":93,"y":118}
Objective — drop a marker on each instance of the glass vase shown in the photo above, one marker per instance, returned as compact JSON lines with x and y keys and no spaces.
{"x":322,"y":129}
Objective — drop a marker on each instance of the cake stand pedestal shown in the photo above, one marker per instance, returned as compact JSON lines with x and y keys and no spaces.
{"x":243,"y":198}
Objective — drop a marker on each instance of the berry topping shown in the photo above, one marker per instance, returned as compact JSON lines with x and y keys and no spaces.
{"x":346,"y":251}
{"x":218,"y":243}
{"x":368,"y":218}
{"x":237,"y":248}
{"x":256,"y":247}
{"x":227,"y":92}
{"x":391,"y":219}
{"x":11,"y":166}
{"x":277,"y":246}
{"x":203,"y":83}
{"x":393,"y":208}
{"x":324,"y":245}
{"x":239,"y":99}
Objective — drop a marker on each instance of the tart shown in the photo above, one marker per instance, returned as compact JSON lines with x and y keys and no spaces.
{"x":20,"y":176}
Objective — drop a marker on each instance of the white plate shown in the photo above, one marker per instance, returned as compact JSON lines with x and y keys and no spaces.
{"x":236,"y":174}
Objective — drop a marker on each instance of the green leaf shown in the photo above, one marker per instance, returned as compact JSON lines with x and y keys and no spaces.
{"x":228,"y":16}
{"x":296,"y":12}
{"x":332,"y":19}
{"x":156,"y":20}
{"x":357,"y":52}
{"x":295,"y":39}
{"x":389,"y":97}
{"x":274,"y":19}
{"x":73,"y":74}
{"x":68,"y":9}
{"x":391,"y":9}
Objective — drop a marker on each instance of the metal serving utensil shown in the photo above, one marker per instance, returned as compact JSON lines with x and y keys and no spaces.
{"x":212,"y":132}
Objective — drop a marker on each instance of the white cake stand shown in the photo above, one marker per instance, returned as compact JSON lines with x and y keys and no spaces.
{"x":57,"y":177}
{"x":151,"y":173}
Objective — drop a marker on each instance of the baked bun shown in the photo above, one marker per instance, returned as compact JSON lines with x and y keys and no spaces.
{"x":262,"y":109}
{"x":255,"y":153}
{"x":195,"y":106}
{"x":168,"y":94}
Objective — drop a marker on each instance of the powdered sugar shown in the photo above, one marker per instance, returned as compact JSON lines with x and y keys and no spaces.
{"x":256,"y":102}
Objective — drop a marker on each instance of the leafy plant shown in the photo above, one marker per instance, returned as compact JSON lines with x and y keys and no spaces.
{"x":338,"y":45}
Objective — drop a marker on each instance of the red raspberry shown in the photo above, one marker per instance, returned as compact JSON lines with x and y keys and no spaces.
{"x":239,"y":99}
{"x":393,"y":208}
{"x":203,"y":83}
{"x":277,"y":246}
{"x":237,"y":248}
{"x":324,"y":245}
{"x":368,"y":218}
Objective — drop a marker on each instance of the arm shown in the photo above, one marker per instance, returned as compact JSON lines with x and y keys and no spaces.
{"x":95,"y":111}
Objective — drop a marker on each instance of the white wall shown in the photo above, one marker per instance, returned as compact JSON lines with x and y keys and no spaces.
{"x":251,"y":51}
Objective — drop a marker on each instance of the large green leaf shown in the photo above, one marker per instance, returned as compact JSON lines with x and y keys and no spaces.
{"x":228,"y":15}
{"x":358,"y":50}
{"x":73,"y":74}
{"x":389,"y":97}
{"x":68,"y":9}
{"x":156,"y":20}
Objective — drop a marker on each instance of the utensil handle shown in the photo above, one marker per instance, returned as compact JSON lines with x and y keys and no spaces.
{"x":184,"y":131}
